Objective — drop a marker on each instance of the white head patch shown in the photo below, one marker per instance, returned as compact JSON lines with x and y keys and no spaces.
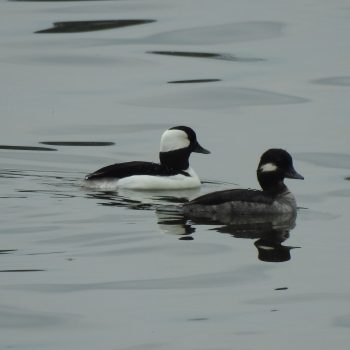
{"x":268,"y":167}
{"x":173,"y":139}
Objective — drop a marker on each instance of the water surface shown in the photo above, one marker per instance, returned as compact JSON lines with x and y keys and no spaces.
{"x":82,"y":268}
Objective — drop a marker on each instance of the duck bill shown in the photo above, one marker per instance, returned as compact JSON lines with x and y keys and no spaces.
{"x":292,"y":174}
{"x":199,"y":149}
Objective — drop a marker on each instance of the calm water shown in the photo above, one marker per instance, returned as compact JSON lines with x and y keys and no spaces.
{"x":88,"y":83}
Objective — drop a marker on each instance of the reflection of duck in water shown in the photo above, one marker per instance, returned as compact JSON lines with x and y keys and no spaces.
{"x":166,"y":204}
{"x":143,"y":200}
{"x":270,"y":249}
{"x":275,"y":165}
{"x":173,"y":172}
{"x":269,"y":231}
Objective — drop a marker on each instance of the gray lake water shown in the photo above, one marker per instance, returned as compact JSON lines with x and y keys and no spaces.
{"x":85,"y":84}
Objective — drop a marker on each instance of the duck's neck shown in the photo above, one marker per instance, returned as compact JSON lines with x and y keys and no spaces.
{"x":175,"y":160}
{"x":272,"y":183}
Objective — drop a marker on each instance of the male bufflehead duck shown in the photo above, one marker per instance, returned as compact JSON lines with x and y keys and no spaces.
{"x":275,"y":198}
{"x":173,"y":172}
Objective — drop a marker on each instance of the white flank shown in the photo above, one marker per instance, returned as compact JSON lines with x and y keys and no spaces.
{"x":173,"y":139}
{"x":149,"y":183}
{"x":268,"y":167}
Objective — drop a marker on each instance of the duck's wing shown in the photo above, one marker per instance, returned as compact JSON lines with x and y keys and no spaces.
{"x":121,"y":170}
{"x":235,"y":195}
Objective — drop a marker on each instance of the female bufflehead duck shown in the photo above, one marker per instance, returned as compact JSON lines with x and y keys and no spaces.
{"x":173,"y":172}
{"x":275,"y":198}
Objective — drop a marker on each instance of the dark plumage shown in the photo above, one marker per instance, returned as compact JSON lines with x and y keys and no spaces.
{"x":275,"y":165}
{"x":121,"y":170}
{"x":242,"y":195}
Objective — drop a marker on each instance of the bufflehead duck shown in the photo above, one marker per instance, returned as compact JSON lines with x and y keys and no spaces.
{"x":173,"y":172}
{"x":275,"y":198}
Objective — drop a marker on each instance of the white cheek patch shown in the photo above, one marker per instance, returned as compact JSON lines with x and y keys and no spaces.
{"x":173,"y":139}
{"x":268,"y":167}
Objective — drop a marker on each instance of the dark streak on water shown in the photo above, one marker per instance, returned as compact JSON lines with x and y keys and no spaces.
{"x":89,"y":26}
{"x":24,"y":270}
{"x":49,"y":0}
{"x":198,"y":319}
{"x":27,"y":148}
{"x":217,"y":56}
{"x":77,"y":143}
{"x":169,"y":199}
{"x":193,"y":81}
{"x":7,"y":251}
{"x":334,"y":81}
{"x":59,"y":252}
{"x":186,"y":238}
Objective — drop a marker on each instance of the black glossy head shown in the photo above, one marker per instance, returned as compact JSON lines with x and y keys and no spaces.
{"x":275,"y":165}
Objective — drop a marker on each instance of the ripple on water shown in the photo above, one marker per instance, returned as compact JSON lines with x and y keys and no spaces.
{"x":204,"y":98}
{"x":19,"y":318}
{"x":343,"y":193}
{"x":335,"y":81}
{"x":285,"y":299}
{"x":342,"y":321}
{"x":23,"y":270}
{"x":328,"y":160}
{"x":313,"y":215}
{"x":73,"y":58}
{"x":224,"y":33}
{"x":207,"y":35}
{"x":49,"y":0}
{"x":242,"y":275}
{"x":108,"y":129}
{"x":51,"y":184}
{"x":89,"y":26}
